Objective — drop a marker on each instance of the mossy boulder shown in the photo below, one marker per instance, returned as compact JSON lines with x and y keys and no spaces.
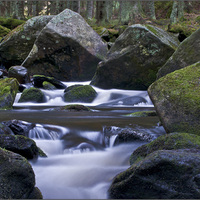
{"x":73,"y":108}
{"x":34,"y":95}
{"x":40,"y":79}
{"x":83,"y":93}
{"x":20,"y":73}
{"x":172,"y":141}
{"x":134,"y":59}
{"x":164,"y":174}
{"x":150,"y":113}
{"x":18,"y":43}
{"x":176,"y":98}
{"x":8,"y":90}
{"x":17,"y":178}
{"x":186,"y":54}
{"x":24,"y":146}
{"x":67,"y":49}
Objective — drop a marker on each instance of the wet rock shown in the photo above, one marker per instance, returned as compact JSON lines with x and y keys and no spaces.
{"x":83,"y":93}
{"x":20,"y":73}
{"x":19,"y":144}
{"x":40,"y":79}
{"x":18,"y":43}
{"x":8,"y":90}
{"x":126,"y":135}
{"x":18,"y":127}
{"x":134,"y":59}
{"x":172,"y":141}
{"x":164,"y":174}
{"x":186,"y":54}
{"x":17,"y":179}
{"x":176,"y":100}
{"x":34,"y":95}
{"x":67,"y":49}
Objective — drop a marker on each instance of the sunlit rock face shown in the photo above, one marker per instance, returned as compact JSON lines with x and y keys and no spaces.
{"x":134,"y":59}
{"x":19,"y":42}
{"x":67,"y":49}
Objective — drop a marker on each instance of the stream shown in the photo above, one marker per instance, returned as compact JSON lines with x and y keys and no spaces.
{"x":82,"y":160}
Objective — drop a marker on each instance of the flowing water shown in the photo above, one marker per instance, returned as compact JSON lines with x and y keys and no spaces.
{"x":82,"y":160}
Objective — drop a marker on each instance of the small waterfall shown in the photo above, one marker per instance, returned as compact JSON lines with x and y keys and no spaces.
{"x":48,"y":132}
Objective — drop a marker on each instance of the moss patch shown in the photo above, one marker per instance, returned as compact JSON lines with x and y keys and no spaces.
{"x":10,"y":23}
{"x":4,"y":31}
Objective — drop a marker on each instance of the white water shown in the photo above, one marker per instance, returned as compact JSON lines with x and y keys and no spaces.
{"x":85,"y":175}
{"x":55,"y":97}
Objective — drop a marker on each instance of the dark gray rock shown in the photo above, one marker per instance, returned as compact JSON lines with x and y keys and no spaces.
{"x":17,"y":179}
{"x":186,"y":54}
{"x":134,"y":59}
{"x":20,"y":73}
{"x":164,"y":174}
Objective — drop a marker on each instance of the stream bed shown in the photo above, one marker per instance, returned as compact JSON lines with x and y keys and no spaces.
{"x":82,"y":160}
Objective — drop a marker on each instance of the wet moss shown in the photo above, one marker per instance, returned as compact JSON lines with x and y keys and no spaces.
{"x":10,"y":23}
{"x":4,"y":31}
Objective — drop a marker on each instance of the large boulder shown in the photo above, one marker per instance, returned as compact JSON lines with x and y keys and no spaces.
{"x":84,"y":93}
{"x":67,"y":49}
{"x":176,"y":100}
{"x":134,"y":59}
{"x":32,"y":94}
{"x":172,"y":141}
{"x":164,"y":174}
{"x":8,"y":90}
{"x":186,"y":54}
{"x":17,"y":179}
{"x":20,"y":73}
{"x":18,"y":43}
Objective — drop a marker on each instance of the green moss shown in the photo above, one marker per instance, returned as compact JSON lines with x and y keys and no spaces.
{"x":171,"y":141}
{"x":48,"y":86}
{"x":74,"y":107}
{"x":32,"y":95}
{"x":10,"y":23}
{"x":4,"y":31}
{"x":197,"y":19}
{"x":143,"y":114}
{"x":80,"y":94}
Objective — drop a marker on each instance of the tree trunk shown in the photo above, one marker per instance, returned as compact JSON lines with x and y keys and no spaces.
{"x":136,"y":14}
{"x":89,"y":9}
{"x":174,"y":13}
{"x":126,"y":9}
{"x":76,"y":6}
{"x":150,"y":10}
{"x":109,"y":7}
{"x":20,"y":7}
{"x":180,"y":9}
{"x":100,"y":11}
